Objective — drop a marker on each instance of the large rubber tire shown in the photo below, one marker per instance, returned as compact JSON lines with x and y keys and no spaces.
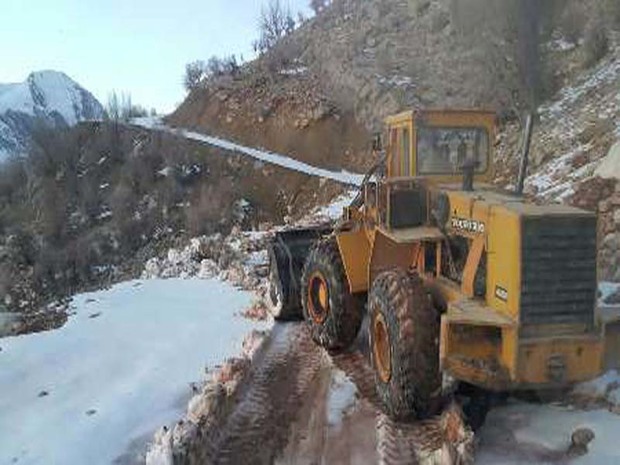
{"x":476,"y":404}
{"x":332,"y":313}
{"x":279,"y":305}
{"x":404,"y":345}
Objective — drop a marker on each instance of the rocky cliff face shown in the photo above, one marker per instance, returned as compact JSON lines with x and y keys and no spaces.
{"x":45,"y":97}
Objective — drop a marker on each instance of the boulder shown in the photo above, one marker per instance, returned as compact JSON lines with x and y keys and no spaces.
{"x":610,"y":165}
{"x":7,"y":323}
{"x":580,"y":439}
{"x":613,"y":298}
{"x":611,"y":241}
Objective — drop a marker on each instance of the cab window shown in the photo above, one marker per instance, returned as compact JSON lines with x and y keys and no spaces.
{"x":444,"y":150}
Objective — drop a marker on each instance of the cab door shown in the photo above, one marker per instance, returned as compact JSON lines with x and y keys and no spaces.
{"x":400,"y":151}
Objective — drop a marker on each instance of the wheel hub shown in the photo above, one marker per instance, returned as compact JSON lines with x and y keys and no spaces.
{"x":318,"y":298}
{"x":381,"y":348}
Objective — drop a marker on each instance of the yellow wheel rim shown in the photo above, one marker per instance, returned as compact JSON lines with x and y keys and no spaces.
{"x":318,"y":298}
{"x":381,"y":348}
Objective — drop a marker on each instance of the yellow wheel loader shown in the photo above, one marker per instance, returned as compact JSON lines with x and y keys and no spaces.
{"x":457,"y":277}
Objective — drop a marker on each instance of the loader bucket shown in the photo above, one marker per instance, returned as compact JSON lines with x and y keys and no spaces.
{"x":287,"y":255}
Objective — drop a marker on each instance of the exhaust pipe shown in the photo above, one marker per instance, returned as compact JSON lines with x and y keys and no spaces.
{"x":525,"y":152}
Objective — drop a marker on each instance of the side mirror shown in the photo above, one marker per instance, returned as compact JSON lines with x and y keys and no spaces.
{"x":377,"y":142}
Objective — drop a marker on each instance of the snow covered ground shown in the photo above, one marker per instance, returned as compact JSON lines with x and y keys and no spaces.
{"x":523,"y":433}
{"x":120,"y":368}
{"x":284,"y":161}
{"x":606,"y":289}
{"x":48,"y":93}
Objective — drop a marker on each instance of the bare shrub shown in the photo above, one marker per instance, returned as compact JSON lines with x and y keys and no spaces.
{"x":274,"y":23}
{"x":421,"y":7}
{"x":198,"y":73}
{"x":209,"y":207}
{"x":194,"y":75}
{"x":120,"y":107}
{"x":595,"y":45}
{"x":611,"y":11}
{"x":573,"y":22}
{"x":440,"y":20}
{"x":227,"y":66}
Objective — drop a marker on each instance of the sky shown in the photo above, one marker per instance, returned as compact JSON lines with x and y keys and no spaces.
{"x":139,"y":47}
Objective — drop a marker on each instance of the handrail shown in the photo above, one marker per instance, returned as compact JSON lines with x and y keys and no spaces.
{"x":357,"y":202}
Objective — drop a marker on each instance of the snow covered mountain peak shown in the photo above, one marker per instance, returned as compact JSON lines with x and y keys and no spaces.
{"x":50,"y":96}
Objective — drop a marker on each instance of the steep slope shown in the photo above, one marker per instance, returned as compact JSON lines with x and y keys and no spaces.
{"x":101,"y":197}
{"x":45,"y":97}
{"x":572,"y":141}
{"x":285,"y":113}
{"x":358,"y":61}
{"x":325,"y":88}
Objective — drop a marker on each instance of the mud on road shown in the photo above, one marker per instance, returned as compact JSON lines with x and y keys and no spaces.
{"x":282,"y":377}
{"x":302,"y":406}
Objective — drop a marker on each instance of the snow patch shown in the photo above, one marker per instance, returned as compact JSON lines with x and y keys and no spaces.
{"x":342,"y":396}
{"x":603,"y":388}
{"x":606,"y":289}
{"x":296,"y":71}
{"x":561,"y":44}
{"x":521,"y":433}
{"x":120,"y":368}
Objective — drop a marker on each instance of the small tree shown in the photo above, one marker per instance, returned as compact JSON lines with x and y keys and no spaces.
{"x":595,"y":45}
{"x":231,"y":66}
{"x":290,"y":24}
{"x":275,"y":22}
{"x":194,"y":75}
{"x":120,"y":108}
{"x":114,"y":107}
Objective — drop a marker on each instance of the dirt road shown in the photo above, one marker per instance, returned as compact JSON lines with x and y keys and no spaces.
{"x":302,"y":406}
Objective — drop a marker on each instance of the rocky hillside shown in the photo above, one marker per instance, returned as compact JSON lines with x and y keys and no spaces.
{"x":99,"y":199}
{"x":88,"y":205}
{"x":44,"y":98}
{"x":575,"y":156}
{"x":373,"y":58}
{"x":321,"y":91}
{"x":286,"y":112}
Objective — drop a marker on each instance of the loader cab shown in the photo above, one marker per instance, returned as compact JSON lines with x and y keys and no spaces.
{"x":426,"y":148}
{"x":437,"y":144}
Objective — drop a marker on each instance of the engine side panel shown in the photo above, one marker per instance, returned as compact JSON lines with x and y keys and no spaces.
{"x":355,"y":250}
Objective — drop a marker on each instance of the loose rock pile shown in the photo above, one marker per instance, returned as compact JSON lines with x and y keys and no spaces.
{"x":239,"y":258}
{"x":603,"y":196}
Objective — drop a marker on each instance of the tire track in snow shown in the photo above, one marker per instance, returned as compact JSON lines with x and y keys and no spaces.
{"x":258,"y":428}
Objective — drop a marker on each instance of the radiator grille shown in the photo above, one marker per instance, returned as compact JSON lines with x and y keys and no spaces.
{"x":558,"y":278}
